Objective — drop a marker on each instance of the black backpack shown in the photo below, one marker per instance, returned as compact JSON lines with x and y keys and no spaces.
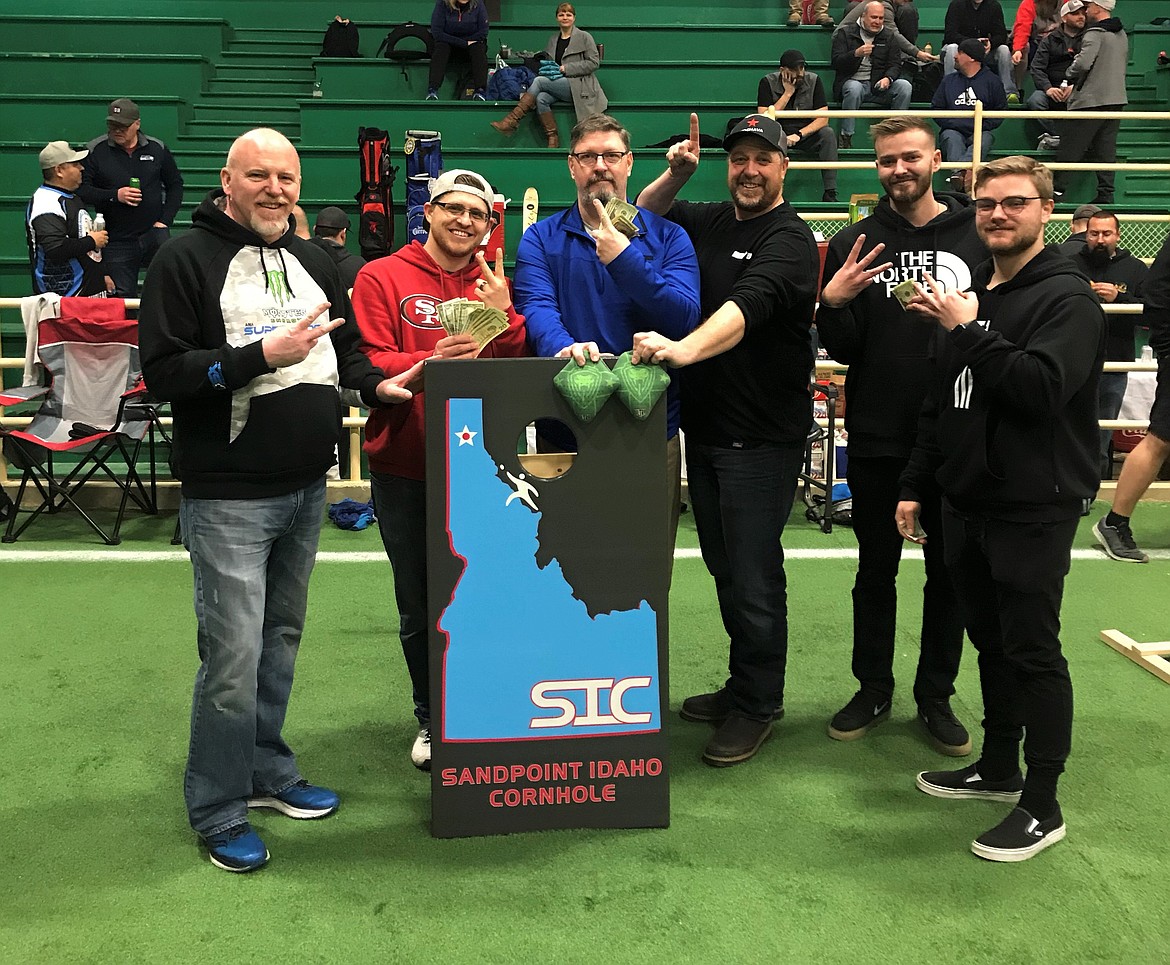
{"x":407,"y":31}
{"x":341,"y":40}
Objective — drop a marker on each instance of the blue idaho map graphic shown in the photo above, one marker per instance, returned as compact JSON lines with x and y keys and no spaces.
{"x":524,"y":659}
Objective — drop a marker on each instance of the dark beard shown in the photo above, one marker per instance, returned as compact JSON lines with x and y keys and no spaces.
{"x":1098,"y":257}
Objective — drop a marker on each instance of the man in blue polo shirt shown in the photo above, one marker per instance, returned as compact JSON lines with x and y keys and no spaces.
{"x":585,"y":289}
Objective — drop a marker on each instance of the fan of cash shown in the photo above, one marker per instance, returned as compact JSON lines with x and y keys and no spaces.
{"x":465,"y":316}
{"x":622,"y":215}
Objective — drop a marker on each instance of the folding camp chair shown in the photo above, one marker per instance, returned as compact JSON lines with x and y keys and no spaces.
{"x":94,"y":413}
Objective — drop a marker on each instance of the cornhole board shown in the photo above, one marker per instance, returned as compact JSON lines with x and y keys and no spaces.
{"x":1150,"y":656}
{"x":547,"y":607}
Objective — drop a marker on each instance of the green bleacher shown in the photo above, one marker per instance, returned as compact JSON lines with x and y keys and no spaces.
{"x":204,"y":72}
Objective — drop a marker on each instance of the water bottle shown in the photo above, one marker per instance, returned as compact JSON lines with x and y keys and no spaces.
{"x":317,"y":92}
{"x":1147,"y":353}
{"x":99,"y":224}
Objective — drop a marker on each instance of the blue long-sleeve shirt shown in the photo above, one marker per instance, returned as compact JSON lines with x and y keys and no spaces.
{"x":456,"y":27}
{"x":567,"y":295}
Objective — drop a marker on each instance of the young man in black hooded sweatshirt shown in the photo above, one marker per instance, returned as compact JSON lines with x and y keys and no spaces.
{"x":862,"y":323}
{"x":1009,"y":431}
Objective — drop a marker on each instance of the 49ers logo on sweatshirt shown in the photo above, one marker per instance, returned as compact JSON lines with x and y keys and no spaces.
{"x":421,"y":311}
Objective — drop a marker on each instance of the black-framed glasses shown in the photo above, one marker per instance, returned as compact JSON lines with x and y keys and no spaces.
{"x":589,"y":158}
{"x":459,"y":210}
{"x":1013,"y":204}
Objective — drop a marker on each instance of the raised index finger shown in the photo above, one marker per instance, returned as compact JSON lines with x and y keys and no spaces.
{"x":695,"y":132}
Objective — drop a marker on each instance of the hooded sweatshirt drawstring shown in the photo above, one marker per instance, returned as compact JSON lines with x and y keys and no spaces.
{"x":283,"y":269}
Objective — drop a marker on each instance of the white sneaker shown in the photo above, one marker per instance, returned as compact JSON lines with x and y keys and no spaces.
{"x":420,"y":752}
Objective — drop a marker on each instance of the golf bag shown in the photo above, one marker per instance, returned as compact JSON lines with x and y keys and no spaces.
{"x":375,"y":199}
{"x":424,"y":161}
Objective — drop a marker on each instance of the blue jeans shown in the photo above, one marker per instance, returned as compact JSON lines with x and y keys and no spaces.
{"x":1040,"y":101}
{"x":741,"y":500}
{"x":854,"y":93}
{"x":549,"y":91}
{"x":1003,"y":65}
{"x":401,"y":507}
{"x":960,"y":147}
{"x":1110,"y":394}
{"x":251,"y":560}
{"x":124,"y":258}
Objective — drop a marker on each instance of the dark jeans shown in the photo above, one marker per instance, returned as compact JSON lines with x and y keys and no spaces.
{"x":1009,"y":578}
{"x":1110,"y":394}
{"x":401,"y":508}
{"x":124,"y":258}
{"x":873,"y":482}
{"x":1085,"y":141}
{"x":741,"y":500}
{"x":821,"y":144}
{"x":476,"y":54}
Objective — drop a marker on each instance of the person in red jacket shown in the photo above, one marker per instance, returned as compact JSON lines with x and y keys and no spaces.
{"x":396,"y":300}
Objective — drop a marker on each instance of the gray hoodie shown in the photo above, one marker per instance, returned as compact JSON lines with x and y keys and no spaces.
{"x":1098,"y":71}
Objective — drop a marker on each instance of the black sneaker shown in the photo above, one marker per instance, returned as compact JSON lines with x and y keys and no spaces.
{"x":737,"y":739}
{"x":712,"y":708}
{"x":1019,"y":836}
{"x":866,"y":710}
{"x":1118,"y":542}
{"x":947,"y":733}
{"x":844,"y":142}
{"x":966,"y":783}
{"x":830,"y":196}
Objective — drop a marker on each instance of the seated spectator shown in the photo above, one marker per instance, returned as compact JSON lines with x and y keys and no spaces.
{"x":902,"y":19}
{"x":459,"y":26}
{"x":566,"y":76}
{"x":329,"y":235}
{"x":820,"y":13}
{"x":959,"y":91}
{"x":1078,"y":229}
{"x":62,"y":241}
{"x":1035,"y":20}
{"x":1053,"y":57}
{"x":1117,"y":278}
{"x":980,"y":20}
{"x":868,"y":66}
{"x":793,"y":88}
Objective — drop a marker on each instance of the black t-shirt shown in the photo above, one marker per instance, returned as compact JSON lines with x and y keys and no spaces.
{"x":562,"y":46}
{"x":758,"y":391}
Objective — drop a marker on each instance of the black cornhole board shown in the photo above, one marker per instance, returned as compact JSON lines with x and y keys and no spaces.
{"x":542,"y":616}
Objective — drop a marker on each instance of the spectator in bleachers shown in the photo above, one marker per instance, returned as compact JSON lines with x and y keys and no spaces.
{"x":868,"y":66}
{"x":1097,"y":77}
{"x":795,"y":88}
{"x":820,"y":13}
{"x":138,"y":216}
{"x":329,"y":235}
{"x":980,"y":20}
{"x":971,"y":82}
{"x":1078,"y":228}
{"x":459,"y":27}
{"x":301,"y":222}
{"x":1035,"y":20}
{"x":1145,"y":462}
{"x":1117,"y":278}
{"x":902,"y":19}
{"x":862,"y":323}
{"x":584,"y":288}
{"x":567,"y":75}
{"x":1049,"y":66}
{"x":61,"y":238}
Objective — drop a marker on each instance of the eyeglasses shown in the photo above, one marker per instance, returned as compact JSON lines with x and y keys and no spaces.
{"x":589,"y":158}
{"x":1011,"y":205}
{"x":459,"y":210}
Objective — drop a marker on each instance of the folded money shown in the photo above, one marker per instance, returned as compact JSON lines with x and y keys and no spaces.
{"x":621,"y":214}
{"x":904,"y":291}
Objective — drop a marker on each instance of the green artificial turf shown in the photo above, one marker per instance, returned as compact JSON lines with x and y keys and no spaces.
{"x":815,"y":851}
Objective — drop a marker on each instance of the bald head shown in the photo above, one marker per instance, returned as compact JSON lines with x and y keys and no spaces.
{"x":262,"y":182}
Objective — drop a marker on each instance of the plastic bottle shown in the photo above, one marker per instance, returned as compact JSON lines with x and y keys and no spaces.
{"x":99,"y":224}
{"x":1147,"y":353}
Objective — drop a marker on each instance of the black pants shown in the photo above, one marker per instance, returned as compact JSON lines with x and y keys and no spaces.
{"x":475,"y":53}
{"x":1009,"y":578}
{"x":821,"y":144}
{"x":873,"y":482}
{"x":1085,"y":141}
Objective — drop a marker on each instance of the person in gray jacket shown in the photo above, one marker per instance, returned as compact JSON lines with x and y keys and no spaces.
{"x":571,"y":59}
{"x":1097,"y":75}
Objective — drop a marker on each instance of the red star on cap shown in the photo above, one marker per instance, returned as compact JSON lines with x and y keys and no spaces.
{"x":752,"y":122}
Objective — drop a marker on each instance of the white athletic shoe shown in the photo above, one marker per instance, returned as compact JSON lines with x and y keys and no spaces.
{"x":420,"y":752}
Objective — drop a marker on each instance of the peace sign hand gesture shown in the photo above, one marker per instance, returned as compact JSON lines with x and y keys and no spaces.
{"x":292,"y":344}
{"x":492,"y":287}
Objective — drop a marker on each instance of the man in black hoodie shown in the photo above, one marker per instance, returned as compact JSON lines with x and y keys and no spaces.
{"x":1009,"y":431}
{"x":862,"y":323}
{"x":329,"y":233}
{"x":233,"y":332}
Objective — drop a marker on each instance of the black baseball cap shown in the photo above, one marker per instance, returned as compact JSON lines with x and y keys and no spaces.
{"x":332,"y":217}
{"x":758,"y":126}
{"x":792,"y":59}
{"x":974,"y":49}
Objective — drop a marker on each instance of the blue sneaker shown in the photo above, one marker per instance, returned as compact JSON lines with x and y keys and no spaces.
{"x":432,"y":94}
{"x":479,"y":95}
{"x":303,"y":801}
{"x":238,"y":848}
